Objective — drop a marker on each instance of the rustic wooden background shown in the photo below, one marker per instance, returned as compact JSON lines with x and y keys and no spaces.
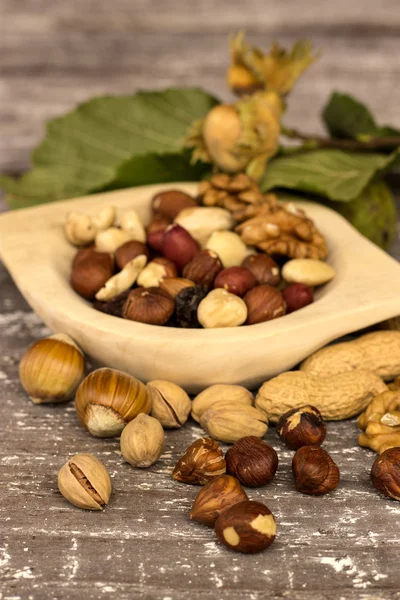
{"x":345,"y":546}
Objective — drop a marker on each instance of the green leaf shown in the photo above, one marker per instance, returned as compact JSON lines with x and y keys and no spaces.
{"x":346,"y":117}
{"x":84,"y":151}
{"x":333,"y":174}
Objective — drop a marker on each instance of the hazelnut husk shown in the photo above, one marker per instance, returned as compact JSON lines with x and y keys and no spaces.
{"x":252,"y":461}
{"x":170,"y":203}
{"x":264,"y":269}
{"x":264,"y":303}
{"x":179,"y":246}
{"x":235,"y":280}
{"x":247,"y":527}
{"x":314,"y":471}
{"x":155,"y":232}
{"x":385,"y":473}
{"x":90,"y":271}
{"x":129,"y":251}
{"x":302,"y":426}
{"x":203,"y":268}
{"x":152,"y":305}
{"x":216,"y":496}
{"x":202,"y":461}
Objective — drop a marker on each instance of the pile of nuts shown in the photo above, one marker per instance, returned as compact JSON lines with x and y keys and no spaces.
{"x":110,"y":403}
{"x":188,"y":268}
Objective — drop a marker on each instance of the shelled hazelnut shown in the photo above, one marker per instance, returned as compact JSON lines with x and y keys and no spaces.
{"x":264,"y":269}
{"x":314,"y":471}
{"x":252,"y":461}
{"x":221,"y":309}
{"x":203,"y":268}
{"x":151,"y":305}
{"x":90,"y":271}
{"x":302,"y":426}
{"x":171,"y":202}
{"x":202,"y":461}
{"x":264,"y":303}
{"x":385,"y":473}
{"x":247,"y":527}
{"x":235,"y":280}
{"x":216,"y":496}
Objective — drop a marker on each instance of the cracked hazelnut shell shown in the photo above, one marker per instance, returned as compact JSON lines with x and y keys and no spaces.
{"x":302,"y":426}
{"x":252,"y":461}
{"x":203,"y":460}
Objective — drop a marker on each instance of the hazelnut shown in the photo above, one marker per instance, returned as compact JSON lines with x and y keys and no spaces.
{"x":264,"y":269}
{"x":229,"y":247}
{"x":90,"y":271}
{"x":246,"y":527}
{"x":155,"y":271}
{"x":186,"y":306}
{"x":264,"y":303}
{"x":203,"y":268}
{"x":129,"y":251}
{"x":221,"y":309}
{"x":155,"y":232}
{"x":202,"y":461}
{"x":314,"y":471}
{"x":217,"y":495}
{"x":174,"y":285}
{"x":179,"y":246}
{"x":252,"y":461}
{"x":302,"y":426}
{"x":385,"y":473}
{"x":235,"y":280}
{"x":148,"y":305}
{"x":296,"y":296}
{"x":170,"y":203}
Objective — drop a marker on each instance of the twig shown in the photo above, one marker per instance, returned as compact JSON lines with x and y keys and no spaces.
{"x":315,"y":141}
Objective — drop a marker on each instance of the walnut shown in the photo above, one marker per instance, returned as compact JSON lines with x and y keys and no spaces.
{"x":278,"y":229}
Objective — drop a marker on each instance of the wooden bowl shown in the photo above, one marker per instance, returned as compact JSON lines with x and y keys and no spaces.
{"x":365,"y":291}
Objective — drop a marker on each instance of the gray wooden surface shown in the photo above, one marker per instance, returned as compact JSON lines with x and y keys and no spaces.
{"x":344,"y":546}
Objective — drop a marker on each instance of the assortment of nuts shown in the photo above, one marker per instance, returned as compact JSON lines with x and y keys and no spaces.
{"x":188,"y":268}
{"x":110,"y":403}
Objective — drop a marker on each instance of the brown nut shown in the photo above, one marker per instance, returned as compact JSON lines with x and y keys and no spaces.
{"x":247,"y":527}
{"x":252,"y":461}
{"x":217,"y":495}
{"x":236,"y":280}
{"x":264,"y":269}
{"x":203,"y":268}
{"x":174,"y":285}
{"x":202,"y":461}
{"x":385,"y":473}
{"x":90,"y":271}
{"x":179,"y":246}
{"x":171,"y":202}
{"x":84,"y":481}
{"x":155,"y":232}
{"x":302,"y":426}
{"x":296,"y":296}
{"x":264,"y":303}
{"x":129,"y":251}
{"x":314,"y":471}
{"x":152,"y":305}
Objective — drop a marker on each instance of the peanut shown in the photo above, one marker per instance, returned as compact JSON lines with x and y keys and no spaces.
{"x":337,"y":397}
{"x":378,"y":352}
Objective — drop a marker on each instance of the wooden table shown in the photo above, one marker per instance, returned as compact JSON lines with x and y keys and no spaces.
{"x":344,"y":546}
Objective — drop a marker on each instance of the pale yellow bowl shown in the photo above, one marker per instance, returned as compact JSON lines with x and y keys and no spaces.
{"x":365,"y":291}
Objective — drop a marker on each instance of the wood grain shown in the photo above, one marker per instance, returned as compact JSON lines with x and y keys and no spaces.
{"x":341,"y":547}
